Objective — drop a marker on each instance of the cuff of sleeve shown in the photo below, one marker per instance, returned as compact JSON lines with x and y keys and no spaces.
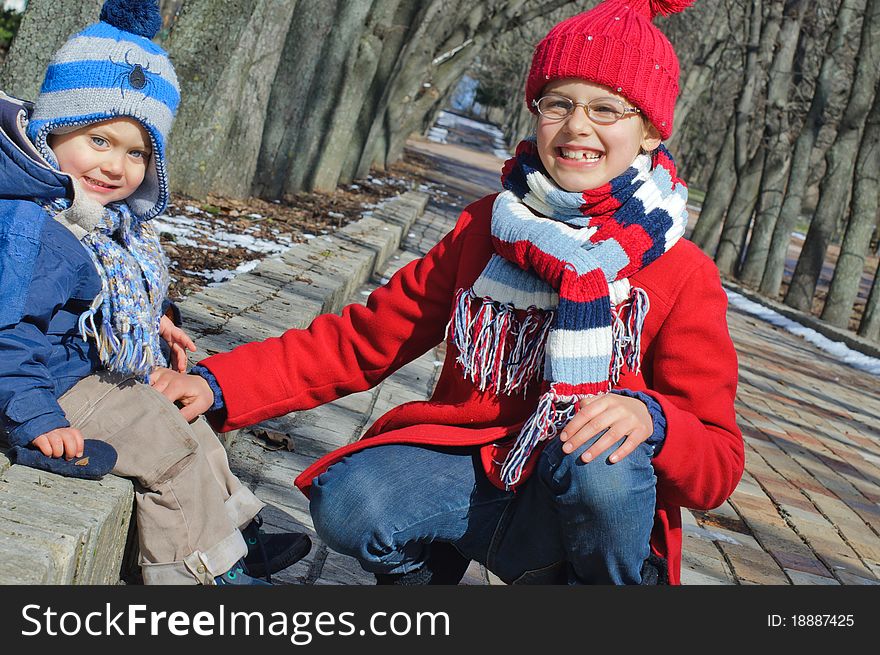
{"x":657,"y":416}
{"x":203,"y":372}
{"x":21,"y":434}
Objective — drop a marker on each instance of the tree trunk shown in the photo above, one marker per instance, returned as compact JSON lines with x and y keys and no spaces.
{"x":749,"y":152}
{"x":778,"y":139}
{"x":333,"y":98}
{"x":373,"y":124}
{"x":701,"y":73}
{"x":227,"y":57}
{"x":170,"y":9}
{"x":836,"y":186}
{"x":290,"y":96}
{"x":844,"y":31}
{"x":719,"y":193}
{"x":739,"y":214}
{"x":44,"y":28}
{"x":870,"y":324}
{"x":863,"y":219}
{"x":393,"y":19}
{"x":412,"y":89}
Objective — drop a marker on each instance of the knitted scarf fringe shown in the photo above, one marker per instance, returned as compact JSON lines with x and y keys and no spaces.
{"x":495,"y":348}
{"x":553,"y":413}
{"x":628,"y":319}
{"x":130,"y":352}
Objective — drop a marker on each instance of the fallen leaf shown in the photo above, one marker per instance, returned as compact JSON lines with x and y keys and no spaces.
{"x":281,"y":439}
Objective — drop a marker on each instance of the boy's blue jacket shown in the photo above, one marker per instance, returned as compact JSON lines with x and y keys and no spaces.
{"x":47,"y":279}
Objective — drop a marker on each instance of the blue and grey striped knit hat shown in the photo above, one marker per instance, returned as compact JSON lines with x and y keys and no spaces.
{"x":111,"y":69}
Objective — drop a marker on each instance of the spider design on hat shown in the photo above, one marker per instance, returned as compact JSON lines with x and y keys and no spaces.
{"x":136,"y":76}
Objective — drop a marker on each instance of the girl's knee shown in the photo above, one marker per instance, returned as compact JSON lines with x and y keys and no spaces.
{"x":599,"y":481}
{"x":345,"y":508}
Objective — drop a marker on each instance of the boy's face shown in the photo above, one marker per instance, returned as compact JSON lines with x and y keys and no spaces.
{"x":580,"y":154}
{"x":109,"y":159}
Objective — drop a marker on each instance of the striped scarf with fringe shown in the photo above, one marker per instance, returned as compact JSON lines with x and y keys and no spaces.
{"x":564,"y":259}
{"x":123,"y":321}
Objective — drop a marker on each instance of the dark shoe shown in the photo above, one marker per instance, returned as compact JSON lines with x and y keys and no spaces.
{"x":270,"y":553}
{"x":444,"y":566}
{"x":420,"y":576}
{"x":237,"y":575}
{"x":655,"y":571}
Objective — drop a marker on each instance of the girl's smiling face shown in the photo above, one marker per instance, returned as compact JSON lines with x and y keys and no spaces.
{"x":580,"y":154}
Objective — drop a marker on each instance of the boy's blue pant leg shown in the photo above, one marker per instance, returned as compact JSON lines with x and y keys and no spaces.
{"x":570,"y":522}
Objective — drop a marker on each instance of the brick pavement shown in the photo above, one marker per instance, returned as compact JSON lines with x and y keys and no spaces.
{"x":806,"y":511}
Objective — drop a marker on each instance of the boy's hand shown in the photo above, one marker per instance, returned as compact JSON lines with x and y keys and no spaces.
{"x":191,"y":391}
{"x":620,"y":415}
{"x":60,"y":441}
{"x":177,"y":339}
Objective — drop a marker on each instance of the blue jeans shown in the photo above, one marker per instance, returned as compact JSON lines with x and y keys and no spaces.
{"x":570,"y":522}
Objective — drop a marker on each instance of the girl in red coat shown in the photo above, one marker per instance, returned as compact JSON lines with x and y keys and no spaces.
{"x":589,"y":381}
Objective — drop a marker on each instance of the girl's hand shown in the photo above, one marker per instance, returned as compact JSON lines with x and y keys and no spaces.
{"x":67,"y":442}
{"x":191,"y":392}
{"x":177,"y":339}
{"x":619,"y":415}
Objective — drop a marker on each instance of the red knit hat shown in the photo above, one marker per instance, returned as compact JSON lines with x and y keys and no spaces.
{"x":615,"y":44}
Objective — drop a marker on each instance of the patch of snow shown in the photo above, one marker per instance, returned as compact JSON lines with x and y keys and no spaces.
{"x":448,"y":120}
{"x":217,"y":276}
{"x":837,"y":349}
{"x":247,"y":242}
{"x":438,"y":134}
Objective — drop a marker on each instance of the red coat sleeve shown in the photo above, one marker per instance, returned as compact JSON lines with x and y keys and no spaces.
{"x":342,"y":354}
{"x":694,"y":376}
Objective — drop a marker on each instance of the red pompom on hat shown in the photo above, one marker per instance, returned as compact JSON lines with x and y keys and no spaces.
{"x":615,"y":44}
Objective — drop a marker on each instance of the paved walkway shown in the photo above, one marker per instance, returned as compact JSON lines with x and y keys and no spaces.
{"x":806,"y":511}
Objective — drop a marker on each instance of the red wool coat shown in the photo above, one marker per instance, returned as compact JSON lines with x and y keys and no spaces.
{"x":688,"y":365}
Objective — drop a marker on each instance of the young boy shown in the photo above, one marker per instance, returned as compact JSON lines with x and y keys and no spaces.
{"x":84,"y":282}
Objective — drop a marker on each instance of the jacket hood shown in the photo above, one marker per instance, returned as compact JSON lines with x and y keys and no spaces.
{"x":24,"y":174}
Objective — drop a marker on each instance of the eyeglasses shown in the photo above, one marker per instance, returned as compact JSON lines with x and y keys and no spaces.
{"x":603,"y":111}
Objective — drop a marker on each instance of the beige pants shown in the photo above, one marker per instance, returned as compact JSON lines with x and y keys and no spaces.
{"x":190,"y":506}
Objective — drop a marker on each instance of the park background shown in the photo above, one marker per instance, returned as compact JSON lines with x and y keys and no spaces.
{"x":776,"y":127}
{"x":322,"y":144}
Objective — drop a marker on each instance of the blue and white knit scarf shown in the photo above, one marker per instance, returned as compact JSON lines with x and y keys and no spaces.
{"x":134,"y":280}
{"x":565,"y":259}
